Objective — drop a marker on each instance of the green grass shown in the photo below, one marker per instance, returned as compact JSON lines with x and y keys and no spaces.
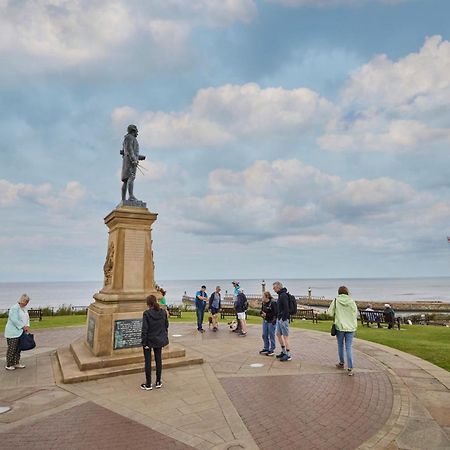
{"x":427,"y":342}
{"x":51,"y":322}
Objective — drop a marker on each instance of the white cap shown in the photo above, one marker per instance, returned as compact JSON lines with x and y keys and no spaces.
{"x":387,"y":305}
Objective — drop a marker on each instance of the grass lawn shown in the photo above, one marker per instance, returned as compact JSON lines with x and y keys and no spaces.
{"x":427,"y":342}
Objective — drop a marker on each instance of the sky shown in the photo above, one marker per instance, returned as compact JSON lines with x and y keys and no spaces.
{"x":284,"y":138}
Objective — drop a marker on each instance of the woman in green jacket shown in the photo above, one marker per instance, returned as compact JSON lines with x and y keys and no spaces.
{"x":18,"y":323}
{"x":345,"y":313}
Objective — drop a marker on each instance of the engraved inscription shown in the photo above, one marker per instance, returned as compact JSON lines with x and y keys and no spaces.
{"x":127,"y":333}
{"x":134,"y":246}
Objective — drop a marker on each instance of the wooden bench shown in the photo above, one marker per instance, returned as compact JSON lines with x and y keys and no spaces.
{"x":308,"y":314}
{"x":174,"y":311}
{"x":377,"y":317}
{"x":227,"y":311}
{"x":35,"y":314}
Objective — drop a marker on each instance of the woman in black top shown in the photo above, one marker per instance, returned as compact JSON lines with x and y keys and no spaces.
{"x":154,"y":336}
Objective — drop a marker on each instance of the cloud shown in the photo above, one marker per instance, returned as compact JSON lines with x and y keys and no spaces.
{"x":418,"y":82}
{"x":287,"y":202}
{"x":43,"y":195}
{"x":396,"y":106}
{"x":331,"y":3}
{"x":62,"y":33}
{"x":224,"y":114}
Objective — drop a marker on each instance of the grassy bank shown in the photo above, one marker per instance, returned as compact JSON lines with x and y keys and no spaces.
{"x":427,"y":342}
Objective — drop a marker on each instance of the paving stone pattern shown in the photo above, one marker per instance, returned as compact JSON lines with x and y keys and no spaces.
{"x":323,"y":411}
{"x":87,"y":427}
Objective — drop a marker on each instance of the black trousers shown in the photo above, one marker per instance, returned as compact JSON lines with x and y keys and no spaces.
{"x":148,"y":364}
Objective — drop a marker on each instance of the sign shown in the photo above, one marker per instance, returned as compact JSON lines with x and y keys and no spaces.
{"x":127,"y":333}
{"x":90,"y":331}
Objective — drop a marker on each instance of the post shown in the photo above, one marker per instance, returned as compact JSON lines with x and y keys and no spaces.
{"x":309,"y":293}
{"x":263,"y":286}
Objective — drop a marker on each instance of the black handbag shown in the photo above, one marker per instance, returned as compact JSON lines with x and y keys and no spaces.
{"x":26,"y":342}
{"x":333,"y":327}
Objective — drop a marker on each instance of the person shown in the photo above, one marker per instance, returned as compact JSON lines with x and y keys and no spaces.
{"x":282,"y":327}
{"x":215,"y":302}
{"x":201,"y":297}
{"x":236,"y":287}
{"x":130,"y":160}
{"x":162,"y":300}
{"x":369,"y":307}
{"x":155,"y":325}
{"x":389,"y":315}
{"x":241,"y":306}
{"x":269,"y":314}
{"x":345,"y":312}
{"x":18,"y":323}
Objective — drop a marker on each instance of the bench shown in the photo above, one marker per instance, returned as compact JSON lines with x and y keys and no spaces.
{"x":35,"y":314}
{"x":174,"y":311}
{"x":377,"y":317}
{"x":227,"y":311}
{"x":305,"y":314}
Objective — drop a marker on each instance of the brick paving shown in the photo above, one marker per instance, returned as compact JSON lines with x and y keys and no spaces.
{"x":394,"y":401}
{"x":323,"y":411}
{"x":85,"y":427}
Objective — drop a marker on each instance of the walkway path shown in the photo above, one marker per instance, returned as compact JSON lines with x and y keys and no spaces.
{"x":237,"y":399}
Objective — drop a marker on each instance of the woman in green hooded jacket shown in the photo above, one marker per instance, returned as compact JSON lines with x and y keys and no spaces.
{"x":345,"y":313}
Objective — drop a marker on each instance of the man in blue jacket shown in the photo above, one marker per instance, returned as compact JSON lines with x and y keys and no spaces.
{"x":283,"y":321}
{"x":201,"y":297}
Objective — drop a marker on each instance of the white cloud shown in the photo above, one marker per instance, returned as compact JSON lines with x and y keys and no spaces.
{"x":67,"y":32}
{"x":43,"y":194}
{"x":417,"y":82}
{"x":319,"y":3}
{"x":291,"y":203}
{"x":396,"y":106}
{"x":224,"y":114}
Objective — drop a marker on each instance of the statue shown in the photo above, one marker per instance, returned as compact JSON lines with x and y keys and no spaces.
{"x":131,"y":157}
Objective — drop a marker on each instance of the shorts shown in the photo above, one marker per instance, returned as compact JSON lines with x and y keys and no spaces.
{"x":241,"y":315}
{"x":283,"y":327}
{"x":213,"y":310}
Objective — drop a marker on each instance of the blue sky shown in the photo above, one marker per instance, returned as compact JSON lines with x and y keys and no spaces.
{"x":285,"y":138}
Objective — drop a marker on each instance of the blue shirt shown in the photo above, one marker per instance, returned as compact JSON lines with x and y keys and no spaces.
{"x":200,"y":294}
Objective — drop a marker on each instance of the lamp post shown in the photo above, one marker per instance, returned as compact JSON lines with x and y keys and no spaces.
{"x":309,"y":293}
{"x":263,"y":286}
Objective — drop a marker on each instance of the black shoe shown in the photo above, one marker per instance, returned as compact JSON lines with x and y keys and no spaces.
{"x":158,"y":385}
{"x":270,"y":353}
{"x":146,"y":387}
{"x":280,"y":355}
{"x":263,"y":352}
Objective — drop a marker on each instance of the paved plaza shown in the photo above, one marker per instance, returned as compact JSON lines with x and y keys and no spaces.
{"x":237,"y":399}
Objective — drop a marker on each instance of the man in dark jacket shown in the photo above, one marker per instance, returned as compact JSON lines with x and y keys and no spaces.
{"x":215,"y":302}
{"x":269,"y":313}
{"x":283,"y":321}
{"x":389,"y":315}
{"x":241,"y":306}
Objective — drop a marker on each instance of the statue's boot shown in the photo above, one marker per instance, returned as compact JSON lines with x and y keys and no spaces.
{"x":131,"y":197}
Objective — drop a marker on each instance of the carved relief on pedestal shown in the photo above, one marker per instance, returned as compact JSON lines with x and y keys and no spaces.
{"x":109,"y":264}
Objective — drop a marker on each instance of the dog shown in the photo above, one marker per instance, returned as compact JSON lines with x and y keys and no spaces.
{"x":210,"y":322}
{"x":233,"y":325}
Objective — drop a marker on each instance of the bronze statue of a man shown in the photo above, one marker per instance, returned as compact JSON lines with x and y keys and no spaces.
{"x":131,"y":158}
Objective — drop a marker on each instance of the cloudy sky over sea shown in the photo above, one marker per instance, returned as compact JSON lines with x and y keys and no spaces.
{"x":285,"y":138}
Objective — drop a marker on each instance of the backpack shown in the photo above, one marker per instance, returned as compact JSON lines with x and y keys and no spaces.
{"x":292,"y":304}
{"x":245,"y":302}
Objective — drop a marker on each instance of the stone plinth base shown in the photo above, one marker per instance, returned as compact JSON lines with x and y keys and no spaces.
{"x":78,"y":364}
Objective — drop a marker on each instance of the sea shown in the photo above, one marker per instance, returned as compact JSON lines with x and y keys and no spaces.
{"x":391,"y":290}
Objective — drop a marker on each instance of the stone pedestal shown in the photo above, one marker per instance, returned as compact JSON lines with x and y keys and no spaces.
{"x":128,"y":280}
{"x":112,"y":345}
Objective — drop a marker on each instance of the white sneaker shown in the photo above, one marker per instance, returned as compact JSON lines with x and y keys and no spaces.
{"x":20,"y":366}
{"x":10,"y":368}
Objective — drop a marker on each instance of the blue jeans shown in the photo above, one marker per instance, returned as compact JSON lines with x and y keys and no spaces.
{"x":268,"y":335}
{"x":347,"y":337}
{"x":200,"y":310}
